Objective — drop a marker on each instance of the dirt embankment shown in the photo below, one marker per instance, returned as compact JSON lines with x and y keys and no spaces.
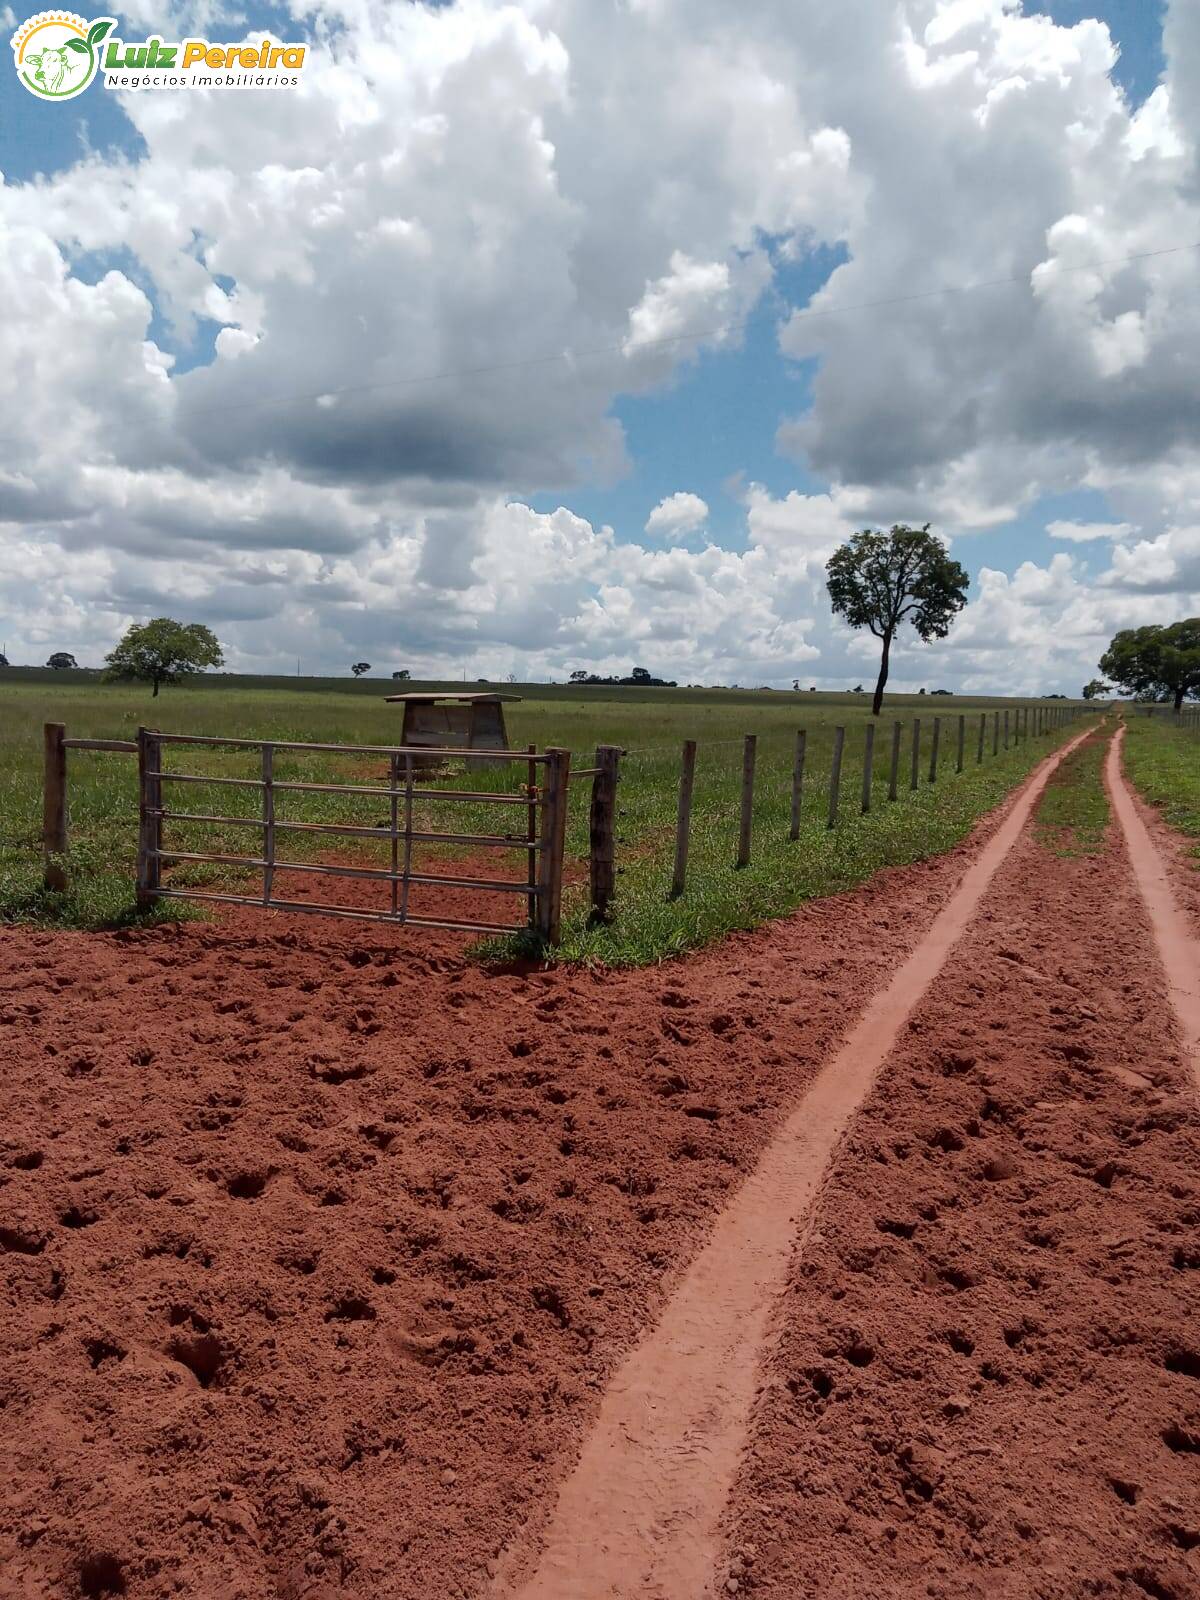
{"x":984,"y":1380}
{"x":318,"y":1243}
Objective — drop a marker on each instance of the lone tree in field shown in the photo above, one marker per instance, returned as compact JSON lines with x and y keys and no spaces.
{"x":62,"y":659}
{"x":360,"y":667}
{"x":1097,"y":687}
{"x":879,"y":580}
{"x":1156,"y":663}
{"x":163,"y":651}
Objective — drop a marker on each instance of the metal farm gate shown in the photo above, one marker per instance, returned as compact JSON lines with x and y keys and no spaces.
{"x":541,"y":811}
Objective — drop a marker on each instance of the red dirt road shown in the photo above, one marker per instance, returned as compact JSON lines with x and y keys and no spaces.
{"x":984,"y":1379}
{"x":317,"y":1253}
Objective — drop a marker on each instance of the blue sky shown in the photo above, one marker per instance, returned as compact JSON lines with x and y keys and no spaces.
{"x":713,"y":426}
{"x":402,"y":225}
{"x":716,"y":423}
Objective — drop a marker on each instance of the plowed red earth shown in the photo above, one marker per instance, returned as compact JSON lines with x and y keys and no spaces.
{"x":319,"y":1242}
{"x":319,"y":1245}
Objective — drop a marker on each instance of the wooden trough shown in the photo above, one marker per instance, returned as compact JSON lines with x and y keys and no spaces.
{"x":467,"y":721}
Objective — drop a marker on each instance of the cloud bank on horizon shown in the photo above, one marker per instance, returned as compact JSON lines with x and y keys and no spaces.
{"x":427,"y":275}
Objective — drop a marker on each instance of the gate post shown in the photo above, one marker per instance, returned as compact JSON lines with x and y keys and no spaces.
{"x":553,"y":838}
{"x":54,"y":805}
{"x":149,"y":867}
{"x":603,"y":823}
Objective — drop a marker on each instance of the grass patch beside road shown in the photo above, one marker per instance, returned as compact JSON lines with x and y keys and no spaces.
{"x":1163,"y":762}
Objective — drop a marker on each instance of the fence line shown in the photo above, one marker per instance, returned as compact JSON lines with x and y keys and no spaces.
{"x":751,"y":774}
{"x":544,"y":798}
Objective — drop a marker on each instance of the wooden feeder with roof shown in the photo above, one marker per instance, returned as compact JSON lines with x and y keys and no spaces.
{"x":468,"y":721}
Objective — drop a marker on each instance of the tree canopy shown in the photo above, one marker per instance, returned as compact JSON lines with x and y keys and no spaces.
{"x":61,"y":659}
{"x":360,"y":667}
{"x":879,"y":581}
{"x":1096,"y":688}
{"x":163,"y":651}
{"x":1156,"y":662}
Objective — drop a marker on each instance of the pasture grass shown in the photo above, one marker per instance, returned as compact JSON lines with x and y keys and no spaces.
{"x":649,"y":724}
{"x":1072,"y":814}
{"x":1163,"y":761}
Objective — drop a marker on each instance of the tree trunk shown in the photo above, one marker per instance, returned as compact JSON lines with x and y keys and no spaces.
{"x":1179,"y":699}
{"x":877,"y":700}
{"x":154,"y":696}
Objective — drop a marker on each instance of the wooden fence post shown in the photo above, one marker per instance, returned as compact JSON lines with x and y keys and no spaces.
{"x":149,"y":867}
{"x":1006,"y":727}
{"x":749,"y":747}
{"x":916,"y":753}
{"x":933,"y":749}
{"x":683,"y":818}
{"x":894,"y":772}
{"x":868,"y":765}
{"x":555,"y":778}
{"x":54,"y":805}
{"x":835,"y":775}
{"x":962,"y":741}
{"x":797,"y":783}
{"x":603,"y":868}
{"x":531,"y":830}
{"x":982,"y":733}
{"x":995,"y":733}
{"x":268,"y":803}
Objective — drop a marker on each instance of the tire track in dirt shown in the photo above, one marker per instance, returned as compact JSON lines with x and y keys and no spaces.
{"x":638,"y":1517}
{"x":1177,"y":950}
{"x":982,"y":1380}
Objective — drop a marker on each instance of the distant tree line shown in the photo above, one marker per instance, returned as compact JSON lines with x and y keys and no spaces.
{"x":876,"y":581}
{"x":640,"y":677}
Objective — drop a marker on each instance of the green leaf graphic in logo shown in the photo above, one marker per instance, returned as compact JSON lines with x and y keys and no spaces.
{"x":78,"y":44}
{"x":98,"y":29}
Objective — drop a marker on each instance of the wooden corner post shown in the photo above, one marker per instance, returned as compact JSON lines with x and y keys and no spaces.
{"x":556,"y":776}
{"x":894,"y":768}
{"x":149,"y":867}
{"x":797,"y":782}
{"x":683,"y":818}
{"x":835,"y":776}
{"x":54,"y":806}
{"x":868,"y":771}
{"x":603,"y":870}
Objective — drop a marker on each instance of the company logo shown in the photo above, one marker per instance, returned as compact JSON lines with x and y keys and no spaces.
{"x":57,"y":54}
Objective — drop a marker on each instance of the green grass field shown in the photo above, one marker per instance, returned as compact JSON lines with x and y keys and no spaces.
{"x":649,"y":723}
{"x":1163,"y":760}
{"x":1072,"y":815}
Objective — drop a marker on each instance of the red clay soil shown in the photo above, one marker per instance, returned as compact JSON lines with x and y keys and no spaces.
{"x":984,"y":1379}
{"x":318,"y":1242}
